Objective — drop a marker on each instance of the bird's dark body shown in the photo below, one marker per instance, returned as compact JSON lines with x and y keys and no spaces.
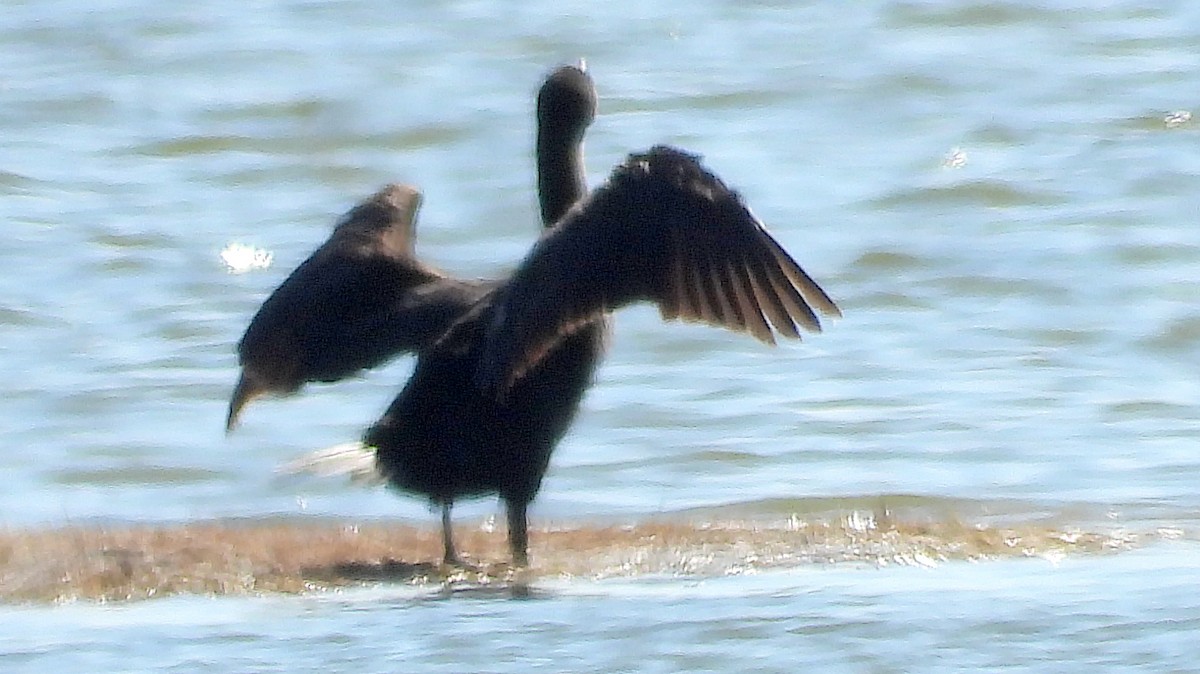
{"x":445,"y":439}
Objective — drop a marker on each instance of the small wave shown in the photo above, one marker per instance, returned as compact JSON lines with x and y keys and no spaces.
{"x":19,"y":316}
{"x":987,"y":193}
{"x":15,"y":183}
{"x":134,"y":475}
{"x":419,"y":137}
{"x":970,"y":14}
{"x":1177,"y":337}
{"x":890,"y":261}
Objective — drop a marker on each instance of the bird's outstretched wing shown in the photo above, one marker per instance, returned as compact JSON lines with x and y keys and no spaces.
{"x":662,"y":229}
{"x":359,"y":299}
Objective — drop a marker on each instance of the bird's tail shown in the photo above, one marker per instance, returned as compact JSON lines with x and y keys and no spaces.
{"x":353,"y":459}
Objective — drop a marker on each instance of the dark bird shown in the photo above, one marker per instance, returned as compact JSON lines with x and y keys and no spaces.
{"x":491,"y":397}
{"x":487,"y":404}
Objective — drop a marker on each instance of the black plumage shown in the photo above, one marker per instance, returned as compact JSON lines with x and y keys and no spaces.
{"x":487,"y":404}
{"x":495,"y":390}
{"x":358,"y":300}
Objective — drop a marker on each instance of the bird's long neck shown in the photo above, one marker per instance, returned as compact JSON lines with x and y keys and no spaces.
{"x":561,"y":178}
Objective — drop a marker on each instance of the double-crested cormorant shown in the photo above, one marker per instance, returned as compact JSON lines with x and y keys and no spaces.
{"x":491,"y":397}
{"x":487,"y":404}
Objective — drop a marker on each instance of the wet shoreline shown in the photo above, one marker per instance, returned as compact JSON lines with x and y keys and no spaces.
{"x":135,"y":562}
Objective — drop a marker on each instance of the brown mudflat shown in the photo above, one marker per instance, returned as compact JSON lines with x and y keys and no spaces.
{"x":222,"y":558}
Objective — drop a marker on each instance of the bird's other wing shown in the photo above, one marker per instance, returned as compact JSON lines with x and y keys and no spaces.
{"x":662,"y":229}
{"x":326,"y":320}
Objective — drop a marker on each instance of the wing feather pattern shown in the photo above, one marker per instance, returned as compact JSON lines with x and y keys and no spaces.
{"x":755,"y":323}
{"x":724,"y":294}
{"x":361,"y":298}
{"x":662,"y":229}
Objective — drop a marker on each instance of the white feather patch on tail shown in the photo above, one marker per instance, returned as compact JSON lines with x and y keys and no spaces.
{"x":353,"y":459}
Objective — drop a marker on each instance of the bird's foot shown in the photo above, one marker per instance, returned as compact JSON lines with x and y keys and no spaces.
{"x":454,"y":564}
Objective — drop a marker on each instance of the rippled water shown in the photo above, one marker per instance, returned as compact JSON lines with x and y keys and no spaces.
{"x":999,"y":195}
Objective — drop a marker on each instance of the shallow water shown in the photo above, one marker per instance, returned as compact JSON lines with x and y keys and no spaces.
{"x":1119,"y":613}
{"x":991,"y":190}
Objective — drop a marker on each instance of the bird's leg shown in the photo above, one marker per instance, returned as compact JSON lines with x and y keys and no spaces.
{"x":450,"y":556}
{"x":518,"y":533}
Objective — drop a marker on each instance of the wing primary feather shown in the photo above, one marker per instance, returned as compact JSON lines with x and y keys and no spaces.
{"x":729,"y":309}
{"x":670,"y":299}
{"x":769,"y":301}
{"x":668,"y":294}
{"x":688,"y":309}
{"x":755,"y":322}
{"x":792,"y":301}
{"x":813,"y":294}
{"x":709,"y":312}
